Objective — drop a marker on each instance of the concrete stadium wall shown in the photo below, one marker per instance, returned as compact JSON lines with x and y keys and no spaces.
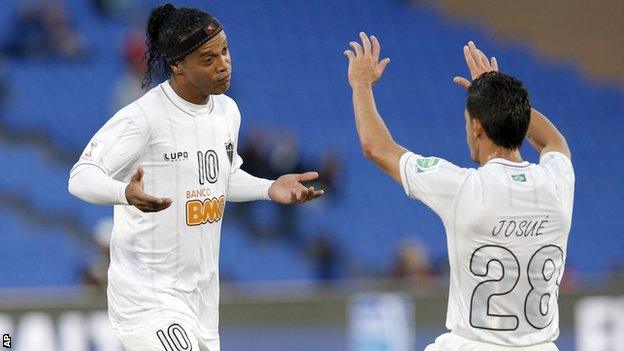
{"x":589,"y":34}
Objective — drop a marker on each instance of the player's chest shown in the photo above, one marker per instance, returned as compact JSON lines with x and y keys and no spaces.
{"x":194,"y":150}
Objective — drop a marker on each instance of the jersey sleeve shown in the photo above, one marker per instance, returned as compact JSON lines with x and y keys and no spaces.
{"x":562,"y":170}
{"x":432,"y":180}
{"x":116,"y":146}
{"x":242,"y":187}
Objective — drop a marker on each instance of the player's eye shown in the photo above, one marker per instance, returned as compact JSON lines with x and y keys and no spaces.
{"x":225,"y":50}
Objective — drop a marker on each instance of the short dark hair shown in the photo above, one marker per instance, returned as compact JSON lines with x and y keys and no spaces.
{"x":501,"y":103}
{"x":167,"y":26}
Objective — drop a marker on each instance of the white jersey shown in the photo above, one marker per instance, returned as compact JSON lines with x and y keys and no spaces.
{"x":165,"y":264}
{"x":507,"y":227}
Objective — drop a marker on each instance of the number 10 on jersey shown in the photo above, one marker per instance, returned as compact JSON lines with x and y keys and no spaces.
{"x":208,"y":166}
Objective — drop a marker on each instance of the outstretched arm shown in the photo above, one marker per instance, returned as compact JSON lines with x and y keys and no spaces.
{"x":542,"y":134}
{"x":243,"y":187}
{"x":286,"y":190}
{"x":365,"y":69}
{"x":91,"y":184}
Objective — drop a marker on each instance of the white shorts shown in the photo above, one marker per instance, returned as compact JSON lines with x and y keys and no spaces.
{"x":166,"y":335}
{"x":454,"y":342}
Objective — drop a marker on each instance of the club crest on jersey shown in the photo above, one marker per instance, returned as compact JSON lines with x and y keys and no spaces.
{"x":229,"y":148}
{"x":427,"y":164}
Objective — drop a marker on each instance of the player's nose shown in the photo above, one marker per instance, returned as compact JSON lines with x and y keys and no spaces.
{"x":223,"y":64}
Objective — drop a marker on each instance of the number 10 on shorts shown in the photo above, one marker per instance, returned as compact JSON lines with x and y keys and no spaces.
{"x":174,"y":339}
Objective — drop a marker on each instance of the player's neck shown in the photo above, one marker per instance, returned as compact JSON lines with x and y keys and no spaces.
{"x":492,"y":151}
{"x":187,"y":92}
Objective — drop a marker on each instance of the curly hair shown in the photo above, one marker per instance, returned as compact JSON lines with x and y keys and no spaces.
{"x":167,"y":26}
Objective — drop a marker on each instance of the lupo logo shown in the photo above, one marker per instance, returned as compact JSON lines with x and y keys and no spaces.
{"x":176,"y":156}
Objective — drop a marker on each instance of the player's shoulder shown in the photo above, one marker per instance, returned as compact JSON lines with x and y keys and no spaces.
{"x":555,"y":157}
{"x":226,"y":105}
{"x":138,"y":111}
{"x":427,"y":162}
{"x":433,"y":167}
{"x":129,"y":112}
{"x":151,"y":100}
{"x":226,"y":102}
{"x":557,"y":166}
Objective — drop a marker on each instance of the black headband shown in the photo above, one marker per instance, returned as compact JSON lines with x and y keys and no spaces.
{"x":194,"y":41}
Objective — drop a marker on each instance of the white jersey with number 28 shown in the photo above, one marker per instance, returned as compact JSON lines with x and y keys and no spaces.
{"x":507,"y":227}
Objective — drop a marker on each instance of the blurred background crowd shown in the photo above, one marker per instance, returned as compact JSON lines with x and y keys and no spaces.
{"x":67,"y":66}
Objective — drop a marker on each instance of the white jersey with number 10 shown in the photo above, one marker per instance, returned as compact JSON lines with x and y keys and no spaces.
{"x":165,"y":265}
{"x":507,"y":227}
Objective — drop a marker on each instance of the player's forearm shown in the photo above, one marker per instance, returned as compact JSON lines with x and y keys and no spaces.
{"x":242,"y":187}
{"x":375,"y":138}
{"x":544,"y":136}
{"x":91,"y":184}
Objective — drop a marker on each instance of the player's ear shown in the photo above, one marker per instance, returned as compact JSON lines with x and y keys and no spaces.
{"x":176,"y":67}
{"x":477,"y":128}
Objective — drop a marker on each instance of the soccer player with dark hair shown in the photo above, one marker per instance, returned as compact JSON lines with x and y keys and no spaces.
{"x":507,"y":222}
{"x":168,"y":162}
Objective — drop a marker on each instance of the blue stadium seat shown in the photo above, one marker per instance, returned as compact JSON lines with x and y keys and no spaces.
{"x":42,"y":183}
{"x":35,"y":256}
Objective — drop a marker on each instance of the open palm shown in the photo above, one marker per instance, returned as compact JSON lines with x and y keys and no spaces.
{"x":288,"y":189}
{"x":477,"y":63}
{"x":364,"y":65}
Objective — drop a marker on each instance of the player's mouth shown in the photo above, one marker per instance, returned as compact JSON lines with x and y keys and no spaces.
{"x":225,"y":79}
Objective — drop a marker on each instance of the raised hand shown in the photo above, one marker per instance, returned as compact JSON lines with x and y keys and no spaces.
{"x":477,"y":63}
{"x":138,"y":198}
{"x":364,"y":65}
{"x":288,"y":189}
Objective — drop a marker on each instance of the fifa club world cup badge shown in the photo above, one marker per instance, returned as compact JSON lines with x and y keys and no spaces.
{"x":229,"y":148}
